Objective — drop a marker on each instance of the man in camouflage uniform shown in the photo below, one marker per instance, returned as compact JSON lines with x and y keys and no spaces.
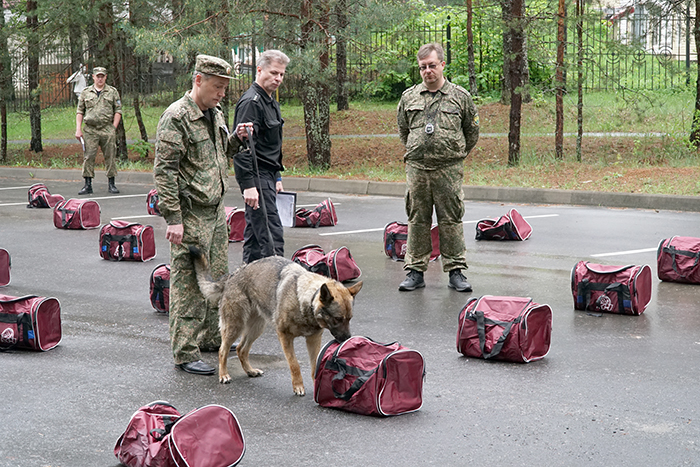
{"x":191,"y":177}
{"x":438,"y":125}
{"x":100,"y":109}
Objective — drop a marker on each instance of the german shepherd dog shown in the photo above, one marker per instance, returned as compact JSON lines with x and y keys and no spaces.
{"x":299,"y":302}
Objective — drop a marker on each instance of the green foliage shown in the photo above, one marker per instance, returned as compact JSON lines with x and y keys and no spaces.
{"x":387,"y":86}
{"x":142,"y":148}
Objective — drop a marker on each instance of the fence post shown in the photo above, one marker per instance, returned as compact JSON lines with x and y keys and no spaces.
{"x":449,"y":41}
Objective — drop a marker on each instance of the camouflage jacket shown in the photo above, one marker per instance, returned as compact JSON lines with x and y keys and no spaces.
{"x":98,"y":111}
{"x":437,"y":129}
{"x":189,"y":167}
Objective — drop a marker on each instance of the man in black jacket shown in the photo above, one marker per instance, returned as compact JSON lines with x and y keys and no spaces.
{"x":259,"y":107}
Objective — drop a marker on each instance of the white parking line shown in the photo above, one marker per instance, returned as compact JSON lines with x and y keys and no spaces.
{"x":14,"y":204}
{"x":380,"y":229}
{"x":120,"y":196}
{"x":628,"y":252}
{"x":16,"y":187}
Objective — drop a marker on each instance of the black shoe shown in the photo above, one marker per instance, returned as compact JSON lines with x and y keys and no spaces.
{"x":111,"y":187}
{"x":458,"y":281}
{"x":414,"y":280}
{"x":87,"y":188}
{"x":197,"y":368}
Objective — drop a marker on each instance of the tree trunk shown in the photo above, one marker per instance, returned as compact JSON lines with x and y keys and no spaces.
{"x":559,"y":79}
{"x":517,"y":39}
{"x":315,"y":92}
{"x":471,"y":69}
{"x":508,"y":15}
{"x":33,"y":51}
{"x":341,"y":57}
{"x":695,"y":131}
{"x":139,"y":118}
{"x":579,"y":67}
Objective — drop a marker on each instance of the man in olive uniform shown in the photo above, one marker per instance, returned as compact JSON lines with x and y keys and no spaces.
{"x":191,"y":176}
{"x":100,"y":109}
{"x":439,"y":125}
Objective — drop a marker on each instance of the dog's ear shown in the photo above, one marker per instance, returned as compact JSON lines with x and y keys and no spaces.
{"x":325,"y":295}
{"x":355,"y":288}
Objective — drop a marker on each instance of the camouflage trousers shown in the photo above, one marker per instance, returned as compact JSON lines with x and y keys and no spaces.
{"x":194,"y":323}
{"x":105,"y":138}
{"x":441,"y":189}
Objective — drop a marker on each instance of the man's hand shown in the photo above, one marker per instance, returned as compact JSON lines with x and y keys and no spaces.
{"x":78,"y":134}
{"x":250,"y":196}
{"x":278,"y":186}
{"x":174,"y":233}
{"x":242,"y":130}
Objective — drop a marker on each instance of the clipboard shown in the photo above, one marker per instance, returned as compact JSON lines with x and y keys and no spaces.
{"x":287,"y":207}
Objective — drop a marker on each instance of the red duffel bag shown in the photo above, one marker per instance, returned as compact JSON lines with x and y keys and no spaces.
{"x":144,"y":443}
{"x":125,"y":241}
{"x":337,"y":264}
{"x":157,"y":436}
{"x":513,"y":329}
{"x":322,"y":215}
{"x":152,"y":203}
{"x":235,"y":218}
{"x":76,"y":214}
{"x":159,"y":288}
{"x":396,"y":235}
{"x":677,"y":260}
{"x":611,"y":289}
{"x":370,"y":378}
{"x":40,"y":197}
{"x":511,"y":226}
{"x":5,"y":266}
{"x":29,"y":322}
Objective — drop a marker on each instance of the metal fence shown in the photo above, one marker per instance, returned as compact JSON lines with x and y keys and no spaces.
{"x":630,"y":50}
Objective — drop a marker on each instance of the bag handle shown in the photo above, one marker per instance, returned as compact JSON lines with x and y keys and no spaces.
{"x":342,"y":368}
{"x":481,"y":322}
{"x":673,"y":251}
{"x":159,"y":433}
{"x":64,"y":215}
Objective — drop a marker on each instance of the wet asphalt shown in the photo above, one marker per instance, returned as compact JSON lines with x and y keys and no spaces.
{"x":613,"y":390}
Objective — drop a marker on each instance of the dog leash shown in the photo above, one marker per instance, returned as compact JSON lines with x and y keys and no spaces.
{"x":261,"y":198}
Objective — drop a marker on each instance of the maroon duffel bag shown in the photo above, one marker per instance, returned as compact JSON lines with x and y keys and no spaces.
{"x":513,"y":329}
{"x":369,"y":378}
{"x":125,"y":241}
{"x":76,"y":214}
{"x":29,"y":322}
{"x":5,"y":266}
{"x":157,"y":436}
{"x":611,"y":289}
{"x":677,"y":260}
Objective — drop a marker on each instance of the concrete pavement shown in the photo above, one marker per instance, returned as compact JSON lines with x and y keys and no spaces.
{"x":613,"y":391}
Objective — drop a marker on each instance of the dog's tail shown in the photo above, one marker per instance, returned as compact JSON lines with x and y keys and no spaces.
{"x":211,"y":289}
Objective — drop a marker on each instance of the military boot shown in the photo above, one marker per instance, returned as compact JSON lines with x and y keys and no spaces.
{"x":87,"y":188}
{"x":112,"y":187}
{"x":459,"y":282}
{"x":414,"y":280}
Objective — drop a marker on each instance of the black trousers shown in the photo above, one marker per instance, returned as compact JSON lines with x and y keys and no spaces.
{"x":256,"y":239}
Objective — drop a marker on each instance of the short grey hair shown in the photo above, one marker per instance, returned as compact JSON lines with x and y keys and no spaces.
{"x":204,"y":76}
{"x":270,"y":56}
{"x":427,"y":49}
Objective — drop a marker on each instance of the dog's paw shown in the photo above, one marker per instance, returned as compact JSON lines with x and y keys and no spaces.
{"x":224,"y":379}
{"x":254,"y":373}
{"x":299,"y":391}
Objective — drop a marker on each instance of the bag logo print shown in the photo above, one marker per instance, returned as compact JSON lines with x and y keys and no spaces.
{"x":8,"y":336}
{"x":604,"y":303}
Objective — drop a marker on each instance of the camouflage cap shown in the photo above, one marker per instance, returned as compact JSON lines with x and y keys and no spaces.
{"x":98,"y":70}
{"x":213,"y":66}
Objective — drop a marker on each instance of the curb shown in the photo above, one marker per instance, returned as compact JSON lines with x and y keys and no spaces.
{"x":363,"y":187}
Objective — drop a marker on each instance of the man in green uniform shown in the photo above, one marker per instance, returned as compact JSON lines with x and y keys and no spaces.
{"x":439,"y":125}
{"x":100,"y":109}
{"x":191,"y":176}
